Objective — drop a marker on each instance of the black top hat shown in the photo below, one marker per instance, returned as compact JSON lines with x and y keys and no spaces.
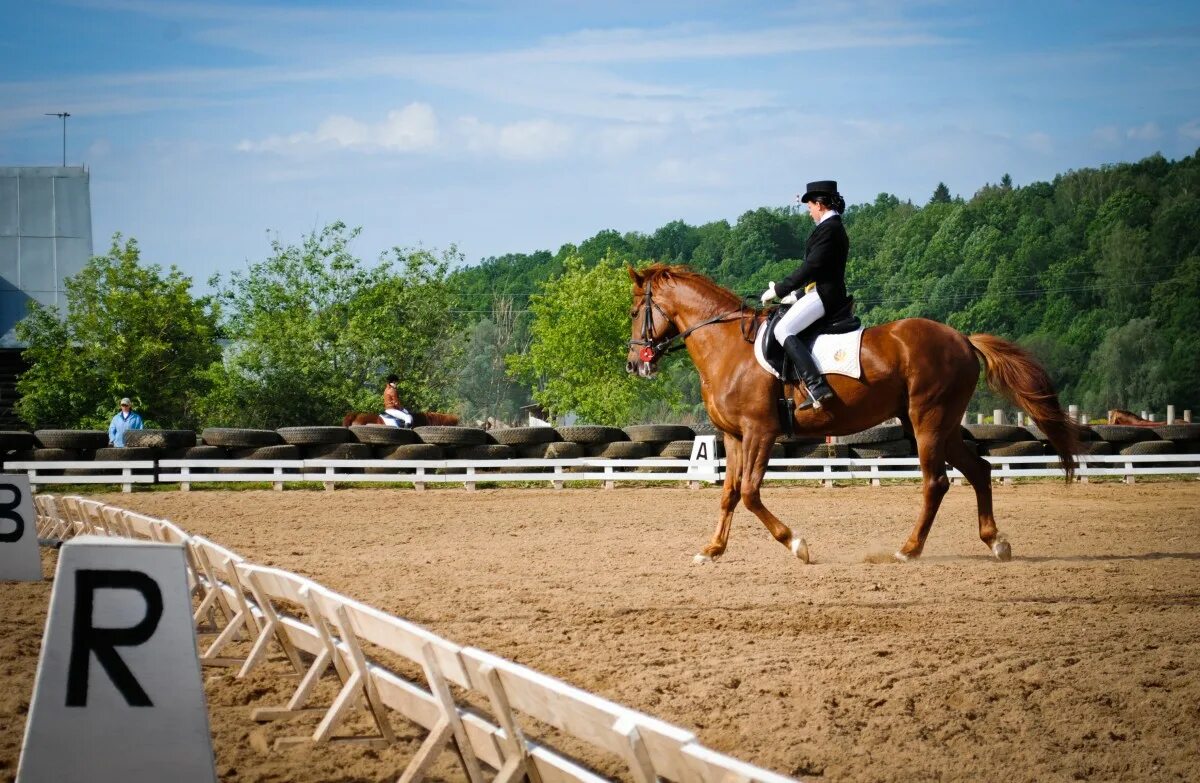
{"x":821,"y":187}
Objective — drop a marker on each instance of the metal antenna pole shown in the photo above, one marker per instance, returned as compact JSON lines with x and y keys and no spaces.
{"x":64,"y":116}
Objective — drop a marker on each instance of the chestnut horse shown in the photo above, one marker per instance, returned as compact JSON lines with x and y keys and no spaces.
{"x":918,"y":370}
{"x":1130,"y":419}
{"x":428,"y":418}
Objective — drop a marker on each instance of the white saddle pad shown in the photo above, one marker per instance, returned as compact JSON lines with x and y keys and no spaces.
{"x":836,"y":354}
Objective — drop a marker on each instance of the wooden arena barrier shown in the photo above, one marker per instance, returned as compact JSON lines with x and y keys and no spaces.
{"x":237,"y":597}
{"x":226,"y":595}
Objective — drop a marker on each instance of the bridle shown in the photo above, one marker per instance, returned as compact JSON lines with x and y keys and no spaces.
{"x":653,"y":349}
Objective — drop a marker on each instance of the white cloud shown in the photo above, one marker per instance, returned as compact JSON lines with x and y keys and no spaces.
{"x":1108,"y":136}
{"x":1146,"y":132}
{"x":1039,"y":142}
{"x":525,"y":140}
{"x":411,"y":129}
{"x":1190,"y":130}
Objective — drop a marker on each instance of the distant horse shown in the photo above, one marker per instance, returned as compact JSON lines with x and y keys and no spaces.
{"x":1130,"y":419}
{"x":918,"y":370}
{"x":420,"y":419}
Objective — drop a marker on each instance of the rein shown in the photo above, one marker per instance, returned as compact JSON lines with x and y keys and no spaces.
{"x":653,"y":349}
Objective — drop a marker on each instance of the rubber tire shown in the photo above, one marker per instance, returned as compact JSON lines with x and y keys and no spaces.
{"x":71,"y":439}
{"x":621,"y":449}
{"x":1123,"y":433}
{"x":161,"y":439}
{"x":338,"y":451}
{"x":890,"y":448}
{"x":1188,"y":446}
{"x":278,"y":451}
{"x":452,"y":436}
{"x":1086,"y":433}
{"x":383,"y":435}
{"x":410,"y":451}
{"x":127,"y":454}
{"x":523,"y":436}
{"x":799,"y":439}
{"x":236,"y":438}
{"x":1151,"y":447}
{"x":677,"y":448}
{"x":196,"y":452}
{"x":559,"y":449}
{"x":1025,"y":448}
{"x":314,"y":436}
{"x":999,"y":433}
{"x":46,"y":455}
{"x":14,"y":440}
{"x":484,"y":451}
{"x":658,"y":433}
{"x":591,"y":434}
{"x":818,"y":450}
{"x":1173,"y":432}
{"x":1097,"y":448}
{"x":885,"y":433}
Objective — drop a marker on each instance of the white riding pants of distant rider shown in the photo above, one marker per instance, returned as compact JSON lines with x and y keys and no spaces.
{"x":804,"y":313}
{"x":400,"y":415}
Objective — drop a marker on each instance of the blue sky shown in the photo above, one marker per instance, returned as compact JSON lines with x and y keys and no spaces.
{"x":516,"y":126}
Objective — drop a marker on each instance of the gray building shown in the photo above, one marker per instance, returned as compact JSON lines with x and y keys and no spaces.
{"x":45,"y":236}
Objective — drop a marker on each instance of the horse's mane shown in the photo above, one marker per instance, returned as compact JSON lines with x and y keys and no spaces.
{"x":679,"y":273}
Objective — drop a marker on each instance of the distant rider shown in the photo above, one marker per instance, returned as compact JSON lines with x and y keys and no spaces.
{"x":821,"y":279}
{"x":393,"y":414}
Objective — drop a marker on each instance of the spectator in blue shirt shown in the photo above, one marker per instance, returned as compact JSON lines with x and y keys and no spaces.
{"x":124,"y":421}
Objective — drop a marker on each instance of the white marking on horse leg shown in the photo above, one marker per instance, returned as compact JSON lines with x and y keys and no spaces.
{"x":1002,"y":549}
{"x":701,"y":559}
{"x":799,"y":548}
{"x":901,"y":557}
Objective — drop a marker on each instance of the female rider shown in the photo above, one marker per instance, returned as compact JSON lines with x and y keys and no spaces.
{"x":821,"y":278}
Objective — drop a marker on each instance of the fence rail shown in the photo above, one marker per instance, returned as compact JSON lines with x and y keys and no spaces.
{"x":556,"y":472}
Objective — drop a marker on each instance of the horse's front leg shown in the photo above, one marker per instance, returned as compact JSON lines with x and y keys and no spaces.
{"x":729,"y":500}
{"x":756,"y":452}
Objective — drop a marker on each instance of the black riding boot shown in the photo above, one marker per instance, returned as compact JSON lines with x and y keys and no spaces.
{"x":806,"y":368}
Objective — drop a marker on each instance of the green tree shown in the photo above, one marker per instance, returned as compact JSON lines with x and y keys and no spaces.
{"x":314,"y":331}
{"x":484,"y":385}
{"x":130,"y":330}
{"x":941,"y":194}
{"x":580,"y":331}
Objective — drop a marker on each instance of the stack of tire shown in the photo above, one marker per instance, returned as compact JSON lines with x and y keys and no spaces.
{"x":1182,"y":438}
{"x":1006,"y":440}
{"x":885,"y":440}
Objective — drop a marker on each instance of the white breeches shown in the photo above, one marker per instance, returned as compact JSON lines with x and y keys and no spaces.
{"x":804,"y":313}
{"x":401,"y":415}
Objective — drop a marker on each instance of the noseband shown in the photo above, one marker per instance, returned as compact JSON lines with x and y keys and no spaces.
{"x":653,"y":349}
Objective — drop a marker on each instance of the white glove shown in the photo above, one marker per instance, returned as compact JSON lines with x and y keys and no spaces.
{"x":769,"y":294}
{"x":790,"y":299}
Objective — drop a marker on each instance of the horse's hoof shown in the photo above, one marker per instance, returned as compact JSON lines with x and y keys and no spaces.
{"x":903,"y":558}
{"x":799,"y":549}
{"x":1002,"y":550}
{"x":701,"y":559}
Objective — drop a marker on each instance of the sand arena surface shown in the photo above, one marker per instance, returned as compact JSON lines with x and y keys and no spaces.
{"x":1077,"y":660}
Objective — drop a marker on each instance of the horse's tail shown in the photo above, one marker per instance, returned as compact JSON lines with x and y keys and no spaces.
{"x":1013,"y":372}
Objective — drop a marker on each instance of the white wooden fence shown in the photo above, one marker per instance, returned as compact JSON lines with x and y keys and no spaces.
{"x":557,"y":472}
{"x":243,"y":609}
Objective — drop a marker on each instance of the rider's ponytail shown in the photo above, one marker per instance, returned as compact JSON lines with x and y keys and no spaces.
{"x":832,"y":201}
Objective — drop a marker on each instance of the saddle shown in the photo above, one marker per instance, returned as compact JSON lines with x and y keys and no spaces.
{"x":843,"y":321}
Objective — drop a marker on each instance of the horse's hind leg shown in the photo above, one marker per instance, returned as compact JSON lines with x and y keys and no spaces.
{"x":931,"y":439}
{"x":978,"y":471}
{"x":730,"y":496}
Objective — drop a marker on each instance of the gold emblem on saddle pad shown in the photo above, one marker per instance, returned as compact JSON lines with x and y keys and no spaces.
{"x":840,"y":355}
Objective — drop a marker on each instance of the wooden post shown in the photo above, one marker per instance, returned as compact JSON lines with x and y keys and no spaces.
{"x":997,"y":416}
{"x":278,"y":483}
{"x":469,"y":484}
{"x":1129,"y":477}
{"x":1187,"y":416}
{"x":1073,"y":412}
{"x":1170,"y":414}
{"x":1085,"y":419}
{"x":979,"y":418}
{"x":966,"y":419}
{"x":875,"y":475}
{"x":1145,"y":415}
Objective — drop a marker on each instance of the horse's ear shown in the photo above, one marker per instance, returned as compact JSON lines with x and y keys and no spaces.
{"x":635,"y":275}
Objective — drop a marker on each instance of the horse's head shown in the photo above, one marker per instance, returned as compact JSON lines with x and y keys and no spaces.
{"x":652,"y":328}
